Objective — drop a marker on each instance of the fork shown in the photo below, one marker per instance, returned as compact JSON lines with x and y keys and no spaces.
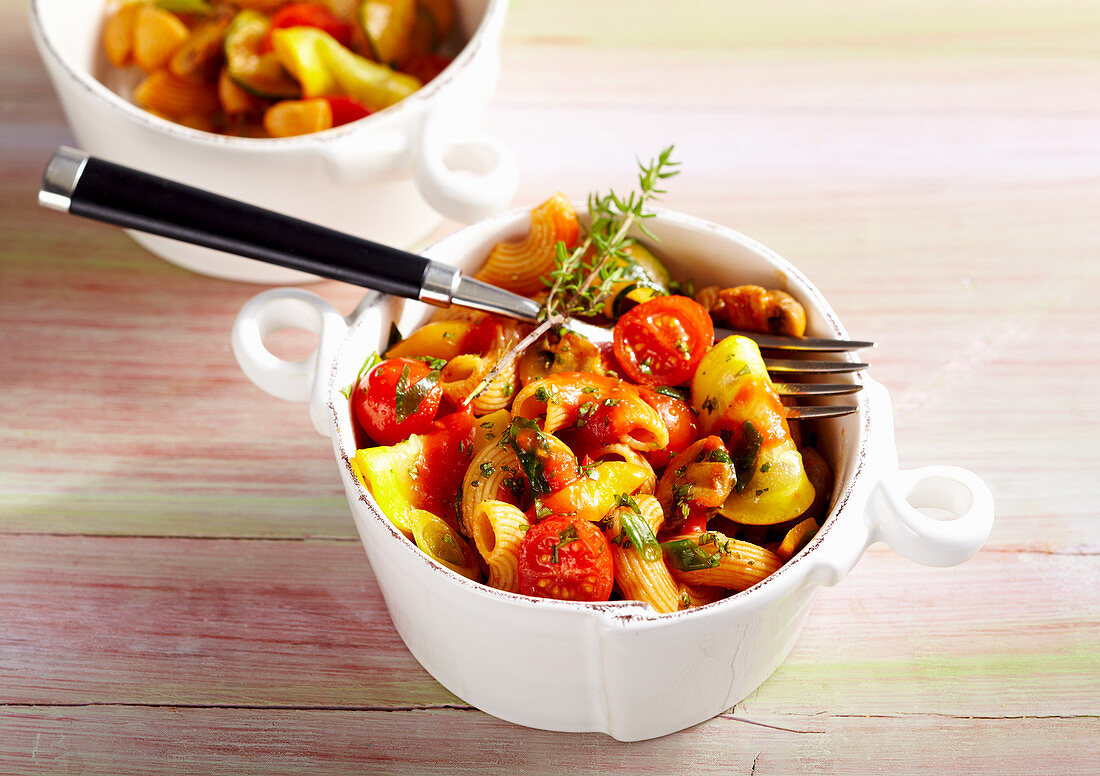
{"x":78,"y":183}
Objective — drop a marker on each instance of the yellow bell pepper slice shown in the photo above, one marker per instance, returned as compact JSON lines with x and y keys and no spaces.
{"x":389,"y":474}
{"x":734,"y":397}
{"x":596,"y":493}
{"x":324,"y":67}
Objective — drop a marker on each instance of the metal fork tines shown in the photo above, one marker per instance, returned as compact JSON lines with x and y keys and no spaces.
{"x":804,"y":344}
{"x":789,"y":369}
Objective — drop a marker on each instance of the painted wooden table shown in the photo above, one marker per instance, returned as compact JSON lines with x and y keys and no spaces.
{"x":181,"y":588}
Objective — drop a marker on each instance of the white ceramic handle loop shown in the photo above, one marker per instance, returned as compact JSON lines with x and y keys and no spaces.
{"x":925,"y":539}
{"x":466,"y":177}
{"x":288,"y":308}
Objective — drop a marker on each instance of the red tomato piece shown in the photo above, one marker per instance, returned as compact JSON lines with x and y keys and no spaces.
{"x":679,"y":418}
{"x":662,"y":341}
{"x":309,"y":15}
{"x":398,"y":398}
{"x":346,"y":110}
{"x":566,"y":558}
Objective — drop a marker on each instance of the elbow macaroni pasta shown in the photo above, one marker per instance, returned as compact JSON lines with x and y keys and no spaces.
{"x":498,"y":529}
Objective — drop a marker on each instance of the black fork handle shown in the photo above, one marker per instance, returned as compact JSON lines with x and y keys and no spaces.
{"x":81,"y":184}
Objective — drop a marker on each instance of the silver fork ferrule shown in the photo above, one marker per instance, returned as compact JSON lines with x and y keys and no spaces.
{"x":479,"y":295}
{"x":439,"y":284}
{"x":60,"y":178}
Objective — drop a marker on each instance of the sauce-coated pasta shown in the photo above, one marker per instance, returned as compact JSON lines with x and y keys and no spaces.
{"x":670,"y":475}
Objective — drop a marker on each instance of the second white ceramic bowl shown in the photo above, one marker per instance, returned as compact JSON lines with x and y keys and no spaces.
{"x":616,"y":667}
{"x":390,"y":177}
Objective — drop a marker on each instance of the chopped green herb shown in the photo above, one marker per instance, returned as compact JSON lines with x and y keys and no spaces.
{"x":566,"y":536}
{"x":626,"y":500}
{"x":710,"y":404}
{"x":433,"y":363}
{"x":682,"y":470}
{"x":590,"y":389}
{"x":639,"y":533}
{"x":767,"y":465}
{"x":372,"y":361}
{"x":719,"y":455}
{"x":742,"y":371}
{"x":686,"y":555}
{"x":611,"y":402}
{"x":528,"y":457}
{"x":761,"y":491}
{"x":744,"y":458}
{"x":487,"y":469}
{"x":541,"y":511}
{"x":669,"y":391}
{"x":408,"y":397}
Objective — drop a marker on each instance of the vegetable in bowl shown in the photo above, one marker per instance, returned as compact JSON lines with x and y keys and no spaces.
{"x":661,"y":469}
{"x":272,"y":68}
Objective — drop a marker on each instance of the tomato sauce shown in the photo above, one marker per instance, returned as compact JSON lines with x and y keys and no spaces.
{"x":448,"y":449}
{"x":756,"y":401}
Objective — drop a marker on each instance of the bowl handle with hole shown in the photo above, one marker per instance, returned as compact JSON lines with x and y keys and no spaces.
{"x":896,"y":507}
{"x":461,"y":172}
{"x":887,"y":505}
{"x":289,"y":308}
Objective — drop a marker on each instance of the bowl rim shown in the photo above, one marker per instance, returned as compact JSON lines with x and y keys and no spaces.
{"x":623,"y":612}
{"x":478,"y":40}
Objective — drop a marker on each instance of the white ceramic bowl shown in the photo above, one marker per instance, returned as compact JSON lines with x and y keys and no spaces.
{"x":388,"y":177}
{"x":616,"y":667}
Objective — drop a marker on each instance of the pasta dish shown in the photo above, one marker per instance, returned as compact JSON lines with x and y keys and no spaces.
{"x":661,"y":469}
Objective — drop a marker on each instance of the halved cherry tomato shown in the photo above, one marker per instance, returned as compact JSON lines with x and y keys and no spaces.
{"x":679,"y":417}
{"x":398,"y":398}
{"x":346,"y":109}
{"x":566,"y":558}
{"x":309,"y":15}
{"x":662,"y":341}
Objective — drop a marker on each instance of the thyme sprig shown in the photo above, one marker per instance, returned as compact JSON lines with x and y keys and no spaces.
{"x":583,"y":278}
{"x":579,"y":285}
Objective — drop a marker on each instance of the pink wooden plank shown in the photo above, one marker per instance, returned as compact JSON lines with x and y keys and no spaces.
{"x":280,"y":623}
{"x":135,"y":740}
